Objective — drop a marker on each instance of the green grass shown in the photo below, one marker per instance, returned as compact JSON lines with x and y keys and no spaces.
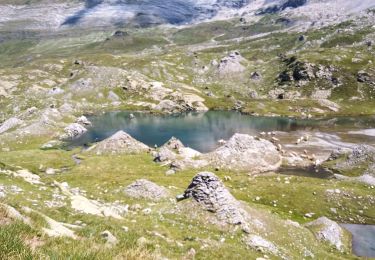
{"x":12,"y":244}
{"x":104,"y":177}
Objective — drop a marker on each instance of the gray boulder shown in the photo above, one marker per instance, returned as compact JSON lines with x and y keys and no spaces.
{"x":110,"y":239}
{"x":83,"y":121}
{"x":119,"y":143}
{"x":73,"y":131}
{"x":165,"y":154}
{"x":144,"y":189}
{"x":246,"y":153}
{"x":329,"y":231}
{"x":207,"y":189}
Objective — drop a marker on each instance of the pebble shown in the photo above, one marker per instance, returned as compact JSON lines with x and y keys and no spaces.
{"x":146,"y":211}
{"x":126,"y":229}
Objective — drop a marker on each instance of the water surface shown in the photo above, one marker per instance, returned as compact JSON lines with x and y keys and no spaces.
{"x":363,"y":239}
{"x":201,"y":131}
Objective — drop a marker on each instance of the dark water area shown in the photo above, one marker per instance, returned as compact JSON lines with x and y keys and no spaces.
{"x":363,"y":239}
{"x":201,"y":131}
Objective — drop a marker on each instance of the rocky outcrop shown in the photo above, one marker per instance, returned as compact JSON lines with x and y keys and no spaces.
{"x":303,"y":72}
{"x":13,"y":214}
{"x":119,"y":143}
{"x":83,"y":121}
{"x":9,"y":124}
{"x":365,"y":77}
{"x":246,"y":153}
{"x":24,"y":174}
{"x":178,"y":156}
{"x":329,"y":231}
{"x":144,"y":189}
{"x":73,"y":131}
{"x":87,"y":206}
{"x":358,"y":156}
{"x":207,"y":189}
{"x":231,"y":64}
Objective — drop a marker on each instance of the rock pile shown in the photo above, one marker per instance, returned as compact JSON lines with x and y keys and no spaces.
{"x":246,"y":153}
{"x":119,"y":143}
{"x":207,"y":189}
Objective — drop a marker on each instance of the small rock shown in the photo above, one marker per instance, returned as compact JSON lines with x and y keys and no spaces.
{"x":111,"y":240}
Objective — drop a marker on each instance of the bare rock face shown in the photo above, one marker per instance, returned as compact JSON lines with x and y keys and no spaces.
{"x":120,"y":143}
{"x":207,"y":189}
{"x":9,"y":124}
{"x":145,"y":189}
{"x":246,"y":153}
{"x":328,"y":231}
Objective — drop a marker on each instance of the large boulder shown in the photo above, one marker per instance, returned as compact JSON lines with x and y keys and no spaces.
{"x":330,"y":232}
{"x":144,"y":189}
{"x":246,"y":153}
{"x":73,"y":131}
{"x":120,"y":143}
{"x":207,"y":189}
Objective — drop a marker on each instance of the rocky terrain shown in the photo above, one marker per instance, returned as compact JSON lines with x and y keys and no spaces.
{"x":119,"y":198}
